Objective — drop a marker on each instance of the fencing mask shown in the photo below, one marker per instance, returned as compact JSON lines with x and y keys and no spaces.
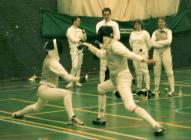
{"x":54,"y":48}
{"x":104,"y":31}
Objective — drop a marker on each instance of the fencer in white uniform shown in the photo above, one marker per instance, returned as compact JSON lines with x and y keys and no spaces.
{"x":116,"y":55}
{"x":140,"y":43}
{"x":48,"y":88}
{"x":75,"y":35}
{"x":106,"y":14}
{"x":161,"y":40}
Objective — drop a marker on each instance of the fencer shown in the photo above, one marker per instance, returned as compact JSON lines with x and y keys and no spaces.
{"x":48,"y":87}
{"x":106,"y":14}
{"x":75,"y":35}
{"x":116,"y":55}
{"x":161,"y":40}
{"x":140,"y":43}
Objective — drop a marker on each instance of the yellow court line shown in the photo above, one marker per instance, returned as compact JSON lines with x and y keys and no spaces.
{"x":79,"y":133}
{"x":94,"y":112}
{"x":95,"y":129}
{"x":176,"y":125}
{"x":90,"y":128}
{"x":30,"y":134}
{"x":32,"y":124}
{"x":114,"y":115}
{"x":170,"y":124}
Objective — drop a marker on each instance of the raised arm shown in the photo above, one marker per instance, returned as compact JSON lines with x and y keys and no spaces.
{"x":123,"y":51}
{"x":98,"y":52}
{"x":58,"y":69}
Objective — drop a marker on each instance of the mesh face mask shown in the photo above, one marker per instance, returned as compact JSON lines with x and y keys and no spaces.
{"x":53,"y":48}
{"x":104,"y":31}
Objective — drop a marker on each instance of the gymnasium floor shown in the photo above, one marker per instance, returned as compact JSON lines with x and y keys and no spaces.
{"x":174,"y":113}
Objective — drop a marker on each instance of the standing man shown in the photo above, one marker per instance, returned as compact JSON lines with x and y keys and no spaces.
{"x":48,"y":88}
{"x":120,"y":77}
{"x":75,"y":36}
{"x":161,"y":41}
{"x":106,"y":14}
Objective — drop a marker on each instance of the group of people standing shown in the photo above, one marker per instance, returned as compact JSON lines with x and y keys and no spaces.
{"x":113,"y":55}
{"x":141,"y":43}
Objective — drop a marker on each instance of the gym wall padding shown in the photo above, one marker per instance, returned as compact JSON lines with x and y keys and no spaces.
{"x":22,"y":39}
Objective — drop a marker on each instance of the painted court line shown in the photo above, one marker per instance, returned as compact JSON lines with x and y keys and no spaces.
{"x":7,"y":99}
{"x":95,"y":129}
{"x":114,"y":115}
{"x":94,"y":112}
{"x":41,"y":126}
{"x":48,"y":112}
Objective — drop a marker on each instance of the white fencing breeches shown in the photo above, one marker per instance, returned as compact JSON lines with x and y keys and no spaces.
{"x":164,"y":59}
{"x":77,"y":60}
{"x":103,"y":68}
{"x":122,"y":83}
{"x":47,"y":94}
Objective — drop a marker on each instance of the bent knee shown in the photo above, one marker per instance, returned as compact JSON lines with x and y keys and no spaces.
{"x":130,"y":107}
{"x":100,"y":90}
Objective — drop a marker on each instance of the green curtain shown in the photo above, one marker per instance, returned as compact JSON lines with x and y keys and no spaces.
{"x":55,"y":24}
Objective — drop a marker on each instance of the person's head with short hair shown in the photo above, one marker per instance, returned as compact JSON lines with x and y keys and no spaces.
{"x":106,"y":14}
{"x":138,"y":25}
{"x":76,"y":21}
{"x":161,"y":22}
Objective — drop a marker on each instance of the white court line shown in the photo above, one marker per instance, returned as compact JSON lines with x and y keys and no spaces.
{"x":2,"y":118}
{"x":94,"y":112}
{"x":75,"y":109}
{"x":80,"y":93}
{"x":81,"y":109}
{"x":91,"y":128}
{"x":14,"y":90}
{"x":48,"y":112}
{"x":8,"y":99}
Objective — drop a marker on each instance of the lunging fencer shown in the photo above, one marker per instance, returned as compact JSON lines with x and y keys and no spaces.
{"x":48,"y":88}
{"x":116,"y":55}
{"x":161,"y":40}
{"x":140,"y":43}
{"x":75,"y":36}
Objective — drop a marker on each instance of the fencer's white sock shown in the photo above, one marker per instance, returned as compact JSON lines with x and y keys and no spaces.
{"x":143,"y":114}
{"x":73,"y":72}
{"x":26,"y":110}
{"x":139,"y":80}
{"x":101,"y":103}
{"x":157,"y":82}
{"x":68,"y":105}
{"x":78,"y":72}
{"x":147,"y":80}
{"x":171,"y":82}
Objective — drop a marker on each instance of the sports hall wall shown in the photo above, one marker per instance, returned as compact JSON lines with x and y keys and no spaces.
{"x":21,"y":41}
